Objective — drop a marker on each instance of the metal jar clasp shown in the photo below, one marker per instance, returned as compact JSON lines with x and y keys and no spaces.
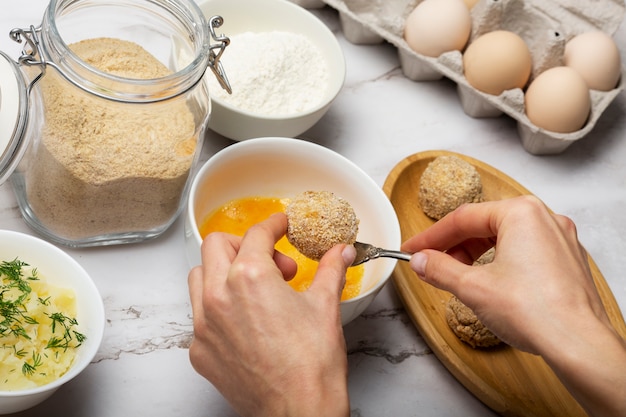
{"x":31,"y":52}
{"x":33,"y":56}
{"x":214,"y":57}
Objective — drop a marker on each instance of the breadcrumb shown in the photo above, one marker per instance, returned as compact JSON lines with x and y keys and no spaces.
{"x":463,"y":321}
{"x":447,"y":183}
{"x":467,"y":327}
{"x":318,"y":220}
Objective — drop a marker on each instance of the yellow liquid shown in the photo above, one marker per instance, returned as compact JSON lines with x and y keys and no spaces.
{"x":237,"y":216}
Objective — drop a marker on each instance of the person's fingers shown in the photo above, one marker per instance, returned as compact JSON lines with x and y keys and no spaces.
{"x":194,"y":281}
{"x":330,"y":277}
{"x":255,"y":258}
{"x":443,"y":271}
{"x":470,"y":221}
{"x":218,"y":251}
{"x":259,"y":240}
{"x":471,"y":249}
{"x":287,"y":265}
{"x":474,"y":221}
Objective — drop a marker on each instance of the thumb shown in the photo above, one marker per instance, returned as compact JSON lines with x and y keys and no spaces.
{"x":331,"y":271}
{"x":439,"y":269}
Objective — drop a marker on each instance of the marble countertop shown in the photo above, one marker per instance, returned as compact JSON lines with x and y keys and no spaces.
{"x":379,"y":118}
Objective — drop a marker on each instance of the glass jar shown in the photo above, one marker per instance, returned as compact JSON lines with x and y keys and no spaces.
{"x":112,"y":121}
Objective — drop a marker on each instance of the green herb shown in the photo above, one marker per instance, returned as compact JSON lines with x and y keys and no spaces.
{"x":29,"y":368}
{"x":19,"y":353}
{"x":15,"y":291}
{"x":68,"y":334}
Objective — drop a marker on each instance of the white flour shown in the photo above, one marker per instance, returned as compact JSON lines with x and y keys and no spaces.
{"x":273,"y":73}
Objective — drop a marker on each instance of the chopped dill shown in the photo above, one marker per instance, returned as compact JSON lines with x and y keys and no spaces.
{"x":29,"y":368}
{"x":15,"y":293}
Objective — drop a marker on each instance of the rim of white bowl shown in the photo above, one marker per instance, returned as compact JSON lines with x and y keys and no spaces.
{"x":258,"y":142}
{"x":93,"y":347}
{"x":332,"y":94}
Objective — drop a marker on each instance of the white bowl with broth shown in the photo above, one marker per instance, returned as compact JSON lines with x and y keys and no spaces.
{"x":284,"y":167}
{"x":59,"y":269}
{"x":234,"y":119}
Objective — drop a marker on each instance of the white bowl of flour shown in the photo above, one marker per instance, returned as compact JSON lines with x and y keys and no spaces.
{"x":284,"y":65}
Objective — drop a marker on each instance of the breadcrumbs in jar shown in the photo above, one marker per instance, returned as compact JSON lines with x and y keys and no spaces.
{"x":105,"y":167}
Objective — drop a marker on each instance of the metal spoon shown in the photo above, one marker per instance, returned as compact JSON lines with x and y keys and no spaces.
{"x":366,"y":252}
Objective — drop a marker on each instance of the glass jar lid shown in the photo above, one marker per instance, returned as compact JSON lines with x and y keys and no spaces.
{"x":13,"y":115}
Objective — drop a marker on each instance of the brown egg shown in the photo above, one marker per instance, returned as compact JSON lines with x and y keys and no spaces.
{"x":438,"y":26}
{"x":596,"y":57}
{"x":497,"y":61}
{"x":558,"y":100}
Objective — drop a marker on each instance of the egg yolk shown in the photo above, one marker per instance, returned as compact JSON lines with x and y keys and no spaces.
{"x":239,"y":215}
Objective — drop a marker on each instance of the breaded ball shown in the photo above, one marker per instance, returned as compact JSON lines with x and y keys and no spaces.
{"x":467,"y":327}
{"x":464,"y":323}
{"x":486,"y":257}
{"x":318,"y":220}
{"x":447,"y":183}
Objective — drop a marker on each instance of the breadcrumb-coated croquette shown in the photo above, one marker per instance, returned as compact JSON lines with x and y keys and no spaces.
{"x":467,"y":327}
{"x":464,"y":323}
{"x":319,"y":220}
{"x":446,"y":183}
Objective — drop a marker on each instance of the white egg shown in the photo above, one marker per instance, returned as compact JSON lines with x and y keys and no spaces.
{"x":558,"y":100}
{"x":596,"y":58}
{"x":438,"y":26}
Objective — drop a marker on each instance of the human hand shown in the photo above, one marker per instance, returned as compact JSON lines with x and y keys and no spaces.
{"x":271,"y":351}
{"x":540,"y":270}
{"x":537,"y":295}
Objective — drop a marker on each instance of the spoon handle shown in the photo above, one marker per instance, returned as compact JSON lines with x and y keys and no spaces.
{"x":386,"y":253}
{"x":366,"y":252}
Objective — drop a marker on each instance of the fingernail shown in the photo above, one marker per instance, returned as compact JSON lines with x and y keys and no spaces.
{"x":348,"y":254}
{"x":418,"y":263}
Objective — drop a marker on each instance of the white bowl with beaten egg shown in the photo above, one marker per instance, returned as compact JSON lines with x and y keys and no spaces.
{"x":246,"y":114}
{"x":56,"y":268}
{"x":283,"y":168}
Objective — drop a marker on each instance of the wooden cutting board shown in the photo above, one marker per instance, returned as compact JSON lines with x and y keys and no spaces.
{"x":510,"y":382}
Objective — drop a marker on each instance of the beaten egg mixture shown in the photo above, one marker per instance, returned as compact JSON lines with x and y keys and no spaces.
{"x":38,"y":328}
{"x":238,"y":215}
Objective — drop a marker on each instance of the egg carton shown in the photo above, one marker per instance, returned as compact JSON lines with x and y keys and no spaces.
{"x":545,"y":25}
